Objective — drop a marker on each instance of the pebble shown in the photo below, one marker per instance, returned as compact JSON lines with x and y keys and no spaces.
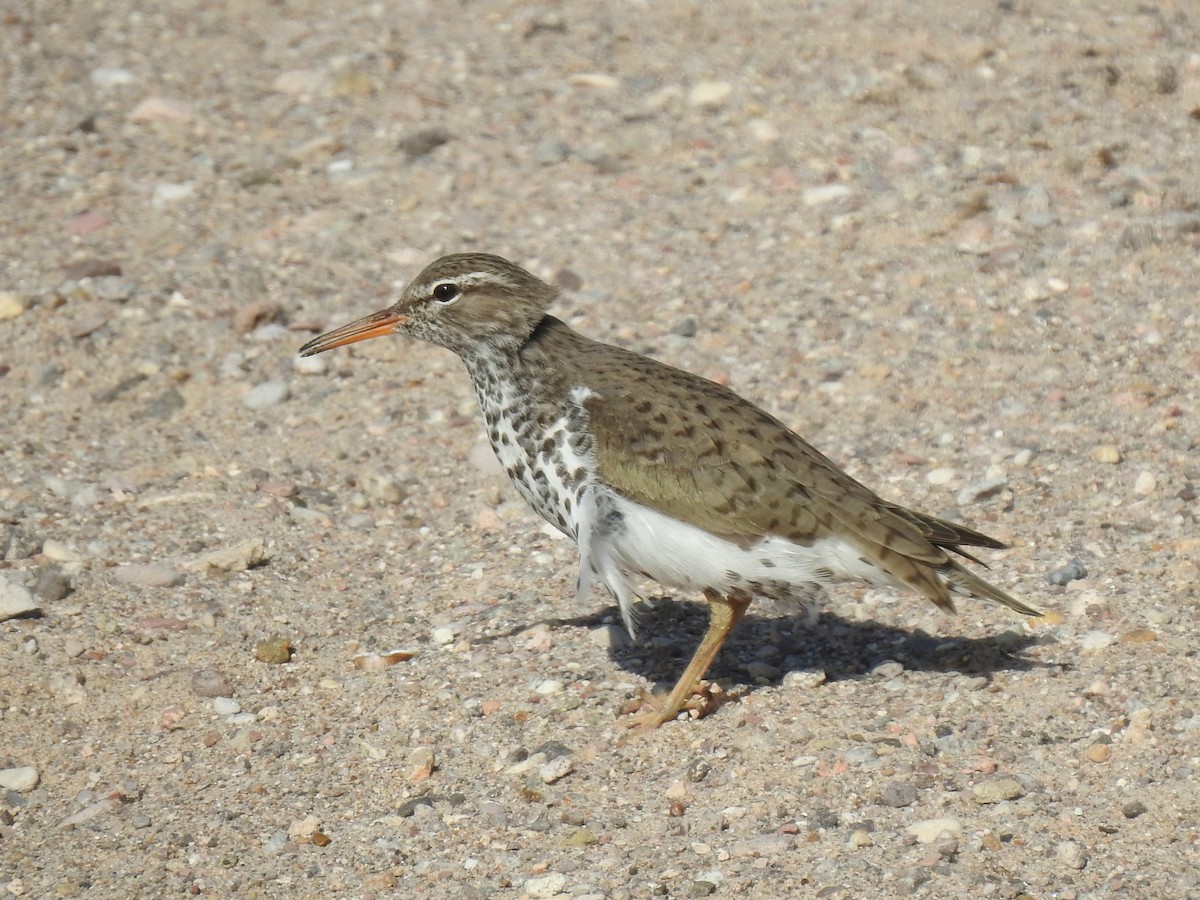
{"x":889,"y":668}
{"x":301,"y":830}
{"x":166,"y":192}
{"x":608,"y":637}
{"x":226,"y":706}
{"x":165,"y":405}
{"x":73,"y":648}
{"x":57,"y":551}
{"x":11,"y":305}
{"x":15,"y":600}
{"x":941,"y":475}
{"x":860,"y":838}
{"x":805,"y":680}
{"x":1097,"y":640}
{"x":22,"y":779}
{"x":824,"y":193}
{"x":550,"y":150}
{"x":212,"y":683}
{"x":420,"y":763}
{"x":248,"y":554}
{"x":161,"y":108}
{"x":1146,"y":484}
{"x":556,"y":769}
{"x":310,"y":365}
{"x":996,"y":790}
{"x":545,"y":885}
{"x":710,"y":95}
{"x":149,"y":575}
{"x":106,"y":77}
{"x":443,"y":635}
{"x":52,"y":584}
{"x":275,"y":651}
{"x":1071,"y":854}
{"x":1133,"y":809}
{"x":1106,"y":453}
{"x":1098,"y":753}
{"x":549,"y":686}
{"x":981,"y":490}
{"x":927,"y":831}
{"x":266,"y":394}
{"x":1072,"y":571}
{"x":897,"y":794}
{"x":492,"y":814}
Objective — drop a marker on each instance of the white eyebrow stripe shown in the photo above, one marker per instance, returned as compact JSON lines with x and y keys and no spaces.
{"x":467,"y":279}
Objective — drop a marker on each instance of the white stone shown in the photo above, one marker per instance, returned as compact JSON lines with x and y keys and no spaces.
{"x":710,"y":94}
{"x":546,"y":886}
{"x":226,"y":706}
{"x":22,"y":779}
{"x":929,"y":830}
{"x":1097,"y":640}
{"x":443,"y":635}
{"x":824,"y":193}
{"x":15,"y":600}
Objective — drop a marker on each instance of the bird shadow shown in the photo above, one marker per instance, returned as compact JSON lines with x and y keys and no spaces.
{"x":841,"y":648}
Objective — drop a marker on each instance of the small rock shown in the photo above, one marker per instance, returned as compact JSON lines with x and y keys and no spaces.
{"x":927,"y":831}
{"x":73,"y":648}
{"x":942,"y":475}
{"x":148,"y":575}
{"x":889,"y":668}
{"x":443,"y":635}
{"x":226,"y":706}
{"x":556,"y":769}
{"x":1071,"y":854}
{"x":492,"y":814}
{"x":1098,"y":753}
{"x":165,"y":405}
{"x":11,"y":305}
{"x":1133,"y":809}
{"x":762,"y":845}
{"x":1146,"y":484}
{"x":997,"y":789}
{"x":1106,"y":453}
{"x":1072,"y":571}
{"x":211,"y":683}
{"x":549,"y":686}
{"x":1097,"y":640}
{"x":897,"y":794}
{"x":545,"y":886}
{"x":860,"y":838}
{"x":275,"y":651}
{"x":420,"y":763}
{"x":698,"y":769}
{"x":166,"y":193}
{"x":161,"y":108}
{"x":105,"y":77}
{"x":685,"y":327}
{"x":804,"y":680}
{"x":15,"y":600}
{"x":266,"y":394}
{"x":421,"y":143}
{"x":248,"y":554}
{"x":710,"y":95}
{"x":22,"y":779}
{"x":52,"y":584}
{"x":608,"y":637}
{"x":824,"y":193}
{"x":310,"y":365}
{"x":302,"y":830}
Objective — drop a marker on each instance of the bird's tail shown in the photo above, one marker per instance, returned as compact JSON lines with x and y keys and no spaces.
{"x":963,"y":581}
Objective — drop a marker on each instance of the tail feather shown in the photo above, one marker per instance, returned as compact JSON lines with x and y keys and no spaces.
{"x":963,"y":581}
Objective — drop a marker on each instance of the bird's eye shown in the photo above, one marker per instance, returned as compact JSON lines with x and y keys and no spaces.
{"x":446,"y":292}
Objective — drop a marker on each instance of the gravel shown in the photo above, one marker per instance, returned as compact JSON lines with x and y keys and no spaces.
{"x":955,"y":248}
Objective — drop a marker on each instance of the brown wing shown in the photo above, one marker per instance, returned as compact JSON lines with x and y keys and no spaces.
{"x":699,"y":453}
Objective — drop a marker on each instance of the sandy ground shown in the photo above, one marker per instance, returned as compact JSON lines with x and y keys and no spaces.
{"x":955,"y":248}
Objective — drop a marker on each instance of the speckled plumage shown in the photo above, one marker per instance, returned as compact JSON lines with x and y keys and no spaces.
{"x":658,"y":473}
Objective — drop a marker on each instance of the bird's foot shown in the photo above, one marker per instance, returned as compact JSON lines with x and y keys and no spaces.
{"x":647,"y":711}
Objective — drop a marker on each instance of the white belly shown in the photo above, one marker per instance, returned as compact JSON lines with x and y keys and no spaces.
{"x":630,"y":542}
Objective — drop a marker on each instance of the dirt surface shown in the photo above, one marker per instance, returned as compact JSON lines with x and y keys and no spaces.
{"x":954,"y":248}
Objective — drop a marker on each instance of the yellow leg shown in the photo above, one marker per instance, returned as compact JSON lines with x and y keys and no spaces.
{"x":724,"y":612}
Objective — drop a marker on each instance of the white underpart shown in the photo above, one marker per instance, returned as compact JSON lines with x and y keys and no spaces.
{"x":650,"y":544}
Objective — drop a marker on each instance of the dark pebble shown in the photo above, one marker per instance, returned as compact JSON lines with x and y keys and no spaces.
{"x":897,"y":794}
{"x":824,"y":817}
{"x":698,"y":770}
{"x":1133,"y":809}
{"x":165,"y":405}
{"x":51,"y":584}
{"x":211,"y":683}
{"x":699,"y":888}
{"x":685,"y":327}
{"x":1072,"y":571}
{"x":419,"y":143}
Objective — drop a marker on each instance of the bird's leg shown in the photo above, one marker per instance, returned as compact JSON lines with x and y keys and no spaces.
{"x":724,"y":612}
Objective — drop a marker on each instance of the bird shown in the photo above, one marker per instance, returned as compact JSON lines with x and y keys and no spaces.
{"x":660,"y":475}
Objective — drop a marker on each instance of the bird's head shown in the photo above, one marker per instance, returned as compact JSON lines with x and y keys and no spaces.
{"x":466,"y":302}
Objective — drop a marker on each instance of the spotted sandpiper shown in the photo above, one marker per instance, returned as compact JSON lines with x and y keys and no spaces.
{"x":658,"y":474}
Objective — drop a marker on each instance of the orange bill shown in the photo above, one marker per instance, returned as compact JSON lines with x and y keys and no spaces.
{"x":375,"y":325}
